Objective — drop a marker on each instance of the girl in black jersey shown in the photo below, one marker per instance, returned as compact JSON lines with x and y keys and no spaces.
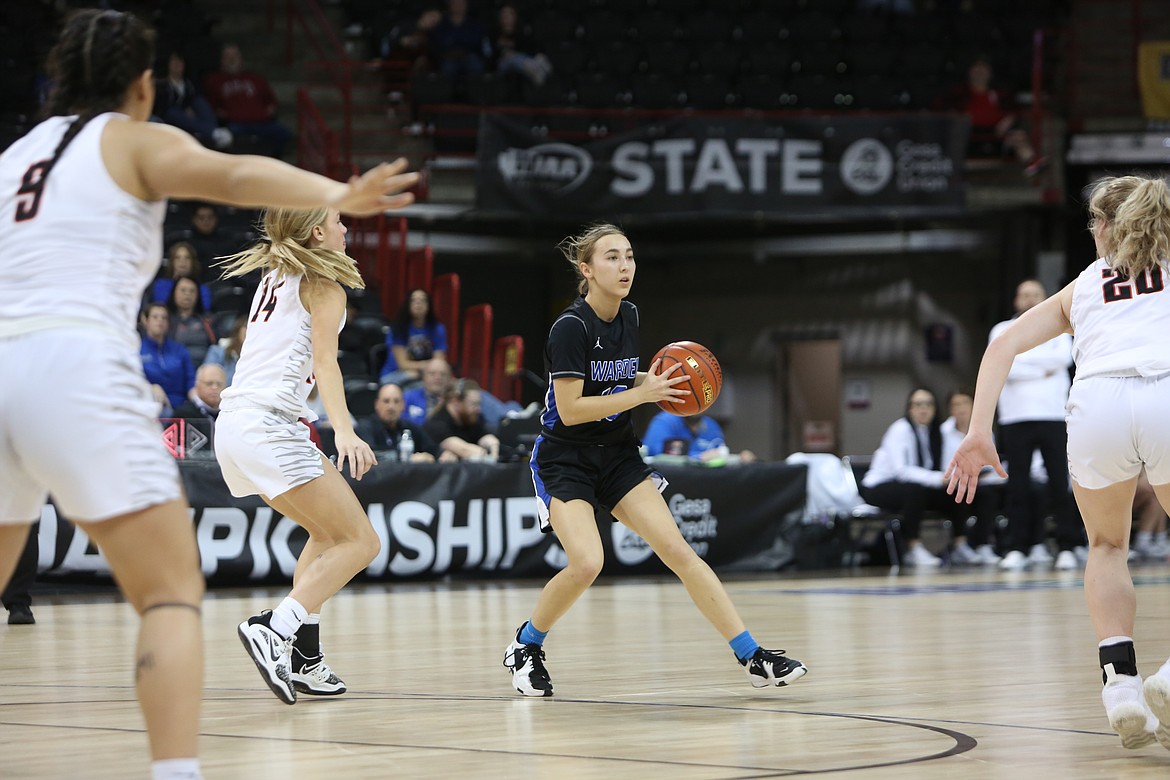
{"x":587,"y":456}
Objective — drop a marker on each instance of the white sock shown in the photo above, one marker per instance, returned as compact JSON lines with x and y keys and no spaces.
{"x":288,"y":616}
{"x":313,"y":619}
{"x":175,"y":769}
{"x":1113,"y":640}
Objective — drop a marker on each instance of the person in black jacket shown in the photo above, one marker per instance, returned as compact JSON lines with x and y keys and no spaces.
{"x":383,"y":429}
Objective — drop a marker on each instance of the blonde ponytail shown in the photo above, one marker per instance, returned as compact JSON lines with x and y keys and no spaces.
{"x":1135,"y":211}
{"x":285,"y":246}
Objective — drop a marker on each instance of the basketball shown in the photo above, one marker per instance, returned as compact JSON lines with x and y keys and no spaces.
{"x":704,"y":376}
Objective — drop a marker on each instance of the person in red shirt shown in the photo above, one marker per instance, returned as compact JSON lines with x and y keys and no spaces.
{"x":244,"y":102}
{"x":995,"y":129}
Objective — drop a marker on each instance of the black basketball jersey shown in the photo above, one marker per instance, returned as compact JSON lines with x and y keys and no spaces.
{"x":604,"y":354}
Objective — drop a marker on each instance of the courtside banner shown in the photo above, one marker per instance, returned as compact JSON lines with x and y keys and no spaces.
{"x":690,"y":165}
{"x":475,"y":520}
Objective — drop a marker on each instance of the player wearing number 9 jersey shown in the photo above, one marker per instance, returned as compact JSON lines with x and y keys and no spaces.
{"x":1118,"y":311}
{"x":587,"y":458}
{"x":263,"y":449}
{"x":82,"y":199}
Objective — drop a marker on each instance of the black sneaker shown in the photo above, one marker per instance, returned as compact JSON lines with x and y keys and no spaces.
{"x":529,"y":676}
{"x":21,"y":615}
{"x":270,"y":653}
{"x":772,"y":667}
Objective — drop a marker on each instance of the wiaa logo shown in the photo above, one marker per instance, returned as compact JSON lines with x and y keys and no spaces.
{"x":553,"y":168}
{"x":867,"y":166}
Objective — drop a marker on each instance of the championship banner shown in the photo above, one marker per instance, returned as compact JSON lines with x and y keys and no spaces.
{"x":477,"y":520}
{"x":686,"y":165}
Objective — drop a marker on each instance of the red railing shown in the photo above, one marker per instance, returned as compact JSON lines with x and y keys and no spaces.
{"x":317,"y":144}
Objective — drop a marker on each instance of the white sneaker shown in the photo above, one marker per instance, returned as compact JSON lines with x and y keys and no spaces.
{"x":963,"y":555}
{"x":1039,"y":554}
{"x":271,"y":654}
{"x":987,"y":555}
{"x":1014,"y":561}
{"x":1128,"y":714}
{"x":1066,"y":561}
{"x":920,"y":556}
{"x":1156,"y":692}
{"x":314,"y":677}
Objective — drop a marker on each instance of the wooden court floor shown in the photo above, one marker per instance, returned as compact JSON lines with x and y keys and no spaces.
{"x":949,"y":674}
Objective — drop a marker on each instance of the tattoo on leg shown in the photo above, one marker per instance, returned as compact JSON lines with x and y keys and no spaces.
{"x":145,"y":664}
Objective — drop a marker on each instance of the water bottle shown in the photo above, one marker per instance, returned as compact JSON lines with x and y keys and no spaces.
{"x":405,"y":446}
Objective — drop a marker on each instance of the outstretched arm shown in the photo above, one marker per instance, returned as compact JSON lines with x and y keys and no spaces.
{"x":1039,"y":324}
{"x":165,"y":162}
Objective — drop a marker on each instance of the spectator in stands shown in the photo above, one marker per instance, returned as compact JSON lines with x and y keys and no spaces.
{"x":177,"y":102}
{"x":906,"y":474}
{"x":460,"y":42}
{"x":995,"y":127}
{"x":383,"y":429}
{"x":410,"y":40}
{"x":424,"y":399}
{"x":458,"y":426}
{"x":190,"y":325}
{"x":181,"y":261}
{"x":697,"y":436}
{"x":1032,"y":417}
{"x":205,"y":235}
{"x":971,"y":543}
{"x":203,"y":401}
{"x":244,"y":101}
{"x":166,"y":362}
{"x":227,"y":352}
{"x":516,"y":52}
{"x":16,"y":597}
{"x":416,"y":336}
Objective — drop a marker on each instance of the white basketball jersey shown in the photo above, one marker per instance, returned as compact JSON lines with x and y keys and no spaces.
{"x":1120,"y":325}
{"x":275,"y":370}
{"x":75,"y":248}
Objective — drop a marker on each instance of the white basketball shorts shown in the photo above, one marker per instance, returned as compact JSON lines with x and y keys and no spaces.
{"x":78,"y":422}
{"x":1116,"y":424}
{"x":264,"y":452}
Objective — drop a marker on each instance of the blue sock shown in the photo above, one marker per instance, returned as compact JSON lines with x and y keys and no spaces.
{"x":744,"y":646}
{"x":530,"y":636}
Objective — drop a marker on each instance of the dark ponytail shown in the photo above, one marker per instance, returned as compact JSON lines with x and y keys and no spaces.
{"x":96,"y":59}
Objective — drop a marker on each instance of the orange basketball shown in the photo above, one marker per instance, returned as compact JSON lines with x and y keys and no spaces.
{"x":704,"y":376}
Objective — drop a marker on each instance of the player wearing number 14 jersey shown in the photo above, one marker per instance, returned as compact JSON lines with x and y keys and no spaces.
{"x":264,"y":449}
{"x":1118,"y":311}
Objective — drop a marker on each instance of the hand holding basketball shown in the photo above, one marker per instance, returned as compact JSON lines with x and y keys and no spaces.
{"x":704,"y":376}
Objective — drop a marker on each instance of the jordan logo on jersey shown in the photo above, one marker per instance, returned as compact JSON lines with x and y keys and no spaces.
{"x":598,"y":344}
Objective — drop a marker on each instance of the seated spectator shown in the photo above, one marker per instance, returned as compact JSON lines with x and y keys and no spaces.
{"x":995,"y":127}
{"x":698,"y":437}
{"x":190,"y":325}
{"x":244,"y":102}
{"x":410,"y":41}
{"x":226,"y":353}
{"x":460,"y":42}
{"x":383,"y":429}
{"x":416,"y":336}
{"x":181,"y":261}
{"x":906,"y":475}
{"x":458,"y":426}
{"x":205,"y":235}
{"x":972,"y":543}
{"x":177,"y":102}
{"x":166,"y":363}
{"x":203,"y":401}
{"x":424,"y":399}
{"x":516,"y":52}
